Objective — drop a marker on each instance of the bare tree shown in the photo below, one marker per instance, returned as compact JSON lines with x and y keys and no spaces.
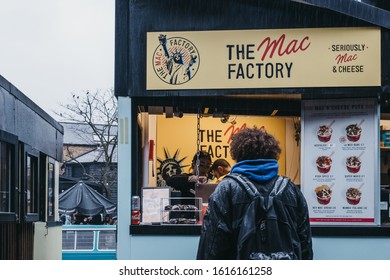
{"x":99,"y":111}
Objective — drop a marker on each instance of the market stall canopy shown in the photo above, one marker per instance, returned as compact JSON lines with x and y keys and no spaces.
{"x":85,"y":200}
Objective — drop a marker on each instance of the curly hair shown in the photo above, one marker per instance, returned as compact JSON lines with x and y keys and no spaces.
{"x":254,"y":143}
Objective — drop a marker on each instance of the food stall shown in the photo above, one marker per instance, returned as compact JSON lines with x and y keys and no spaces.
{"x":189,"y":75}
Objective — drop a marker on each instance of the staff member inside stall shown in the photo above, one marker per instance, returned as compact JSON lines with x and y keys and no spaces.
{"x":220,"y":168}
{"x":185,"y":182}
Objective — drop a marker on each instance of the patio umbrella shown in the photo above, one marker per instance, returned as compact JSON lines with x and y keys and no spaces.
{"x":85,"y":200}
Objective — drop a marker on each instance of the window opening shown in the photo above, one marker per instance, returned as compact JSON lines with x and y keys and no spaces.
{"x":50,"y":192}
{"x":84,"y":240}
{"x":107,"y":240}
{"x":31,"y":185}
{"x":68,"y":239}
{"x":5,"y":177}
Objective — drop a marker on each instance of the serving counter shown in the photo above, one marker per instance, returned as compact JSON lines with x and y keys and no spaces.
{"x":175,"y":242}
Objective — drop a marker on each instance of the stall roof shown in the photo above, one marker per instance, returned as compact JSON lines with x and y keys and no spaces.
{"x":375,"y":12}
{"x":134,"y":19}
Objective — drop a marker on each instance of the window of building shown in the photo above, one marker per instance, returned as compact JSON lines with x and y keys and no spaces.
{"x":77,"y":171}
{"x":78,"y":240}
{"x":31,"y":185}
{"x":30,"y":200}
{"x":8,"y":178}
{"x":68,"y":239}
{"x":5,"y":177}
{"x":50,"y":191}
{"x":85,"y":240}
{"x":107,"y":240}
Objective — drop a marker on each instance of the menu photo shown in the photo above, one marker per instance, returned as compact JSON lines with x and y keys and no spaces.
{"x":339,"y":161}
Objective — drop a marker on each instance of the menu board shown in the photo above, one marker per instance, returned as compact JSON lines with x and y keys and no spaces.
{"x":340,"y":159}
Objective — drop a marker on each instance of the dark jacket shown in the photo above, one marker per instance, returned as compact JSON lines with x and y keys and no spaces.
{"x":180,"y":183}
{"x":223,"y":218}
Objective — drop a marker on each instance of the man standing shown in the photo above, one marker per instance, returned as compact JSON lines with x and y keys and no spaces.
{"x":256,"y":153}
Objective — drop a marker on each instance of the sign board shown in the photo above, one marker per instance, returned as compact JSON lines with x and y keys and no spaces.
{"x":270,"y":58}
{"x":339,"y":165}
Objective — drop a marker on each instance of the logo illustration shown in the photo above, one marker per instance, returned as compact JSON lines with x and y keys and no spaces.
{"x":170,"y":166}
{"x":175,"y":60}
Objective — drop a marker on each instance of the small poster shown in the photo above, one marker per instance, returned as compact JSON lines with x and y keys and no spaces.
{"x":152,"y":198}
{"x":340,"y":159}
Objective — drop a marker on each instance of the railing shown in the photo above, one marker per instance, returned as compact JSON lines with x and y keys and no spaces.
{"x":89,"y":242}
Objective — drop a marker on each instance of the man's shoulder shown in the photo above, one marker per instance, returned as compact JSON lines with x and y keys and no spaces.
{"x":231,"y":178}
{"x":230,"y":186}
{"x":227,"y":183}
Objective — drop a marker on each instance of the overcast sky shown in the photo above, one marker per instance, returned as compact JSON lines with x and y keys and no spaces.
{"x":50,"y":49}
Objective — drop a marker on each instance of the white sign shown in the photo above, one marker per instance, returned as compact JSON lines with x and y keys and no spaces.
{"x":340,"y":151}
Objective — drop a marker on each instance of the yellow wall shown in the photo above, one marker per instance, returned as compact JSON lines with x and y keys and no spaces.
{"x":177,"y":137}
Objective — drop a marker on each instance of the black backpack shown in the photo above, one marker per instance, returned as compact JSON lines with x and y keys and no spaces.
{"x":266,"y":231}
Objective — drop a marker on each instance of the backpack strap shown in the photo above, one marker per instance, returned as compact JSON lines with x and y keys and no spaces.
{"x":279,"y":185}
{"x":245,"y":183}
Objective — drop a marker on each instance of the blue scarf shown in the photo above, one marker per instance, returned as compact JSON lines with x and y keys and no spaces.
{"x":258,"y":170}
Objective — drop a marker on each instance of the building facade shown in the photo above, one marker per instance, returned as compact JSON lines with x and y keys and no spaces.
{"x":290,"y":66}
{"x":29,"y":227}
